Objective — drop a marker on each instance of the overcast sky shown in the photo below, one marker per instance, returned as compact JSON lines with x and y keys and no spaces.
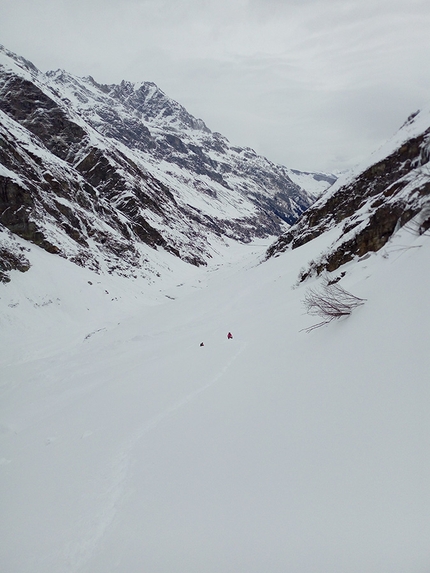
{"x":311,"y":84}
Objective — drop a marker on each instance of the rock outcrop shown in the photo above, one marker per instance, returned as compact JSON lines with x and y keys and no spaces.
{"x":98,"y":174}
{"x":367,"y":208}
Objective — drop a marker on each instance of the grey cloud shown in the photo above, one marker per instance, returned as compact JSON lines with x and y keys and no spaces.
{"x":314,"y":84}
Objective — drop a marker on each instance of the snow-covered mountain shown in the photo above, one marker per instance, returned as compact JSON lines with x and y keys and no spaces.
{"x":103,"y":175}
{"x":125,"y":445}
{"x":365,"y":208}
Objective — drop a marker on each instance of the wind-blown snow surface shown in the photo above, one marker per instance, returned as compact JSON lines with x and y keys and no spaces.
{"x":127,"y":447}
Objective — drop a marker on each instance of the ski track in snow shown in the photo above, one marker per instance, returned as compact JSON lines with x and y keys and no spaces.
{"x":324,"y":469}
{"x":78,"y":555}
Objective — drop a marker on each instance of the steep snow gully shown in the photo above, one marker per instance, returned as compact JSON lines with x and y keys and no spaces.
{"x":125,"y":446}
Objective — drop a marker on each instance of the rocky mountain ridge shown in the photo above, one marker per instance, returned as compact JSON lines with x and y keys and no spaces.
{"x":105,"y":174}
{"x":365,"y":208}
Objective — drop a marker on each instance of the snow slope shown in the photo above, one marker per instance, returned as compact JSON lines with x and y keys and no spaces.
{"x":125,"y":446}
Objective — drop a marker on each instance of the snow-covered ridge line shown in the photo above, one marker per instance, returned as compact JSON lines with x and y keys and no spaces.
{"x":139,"y":168}
{"x":364,"y":209}
{"x":416,"y":124}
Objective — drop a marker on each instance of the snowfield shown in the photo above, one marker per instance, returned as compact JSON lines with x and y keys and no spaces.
{"x":127,"y":447}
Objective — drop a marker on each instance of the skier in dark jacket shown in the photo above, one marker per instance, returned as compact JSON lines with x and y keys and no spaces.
{"x":229,"y":335}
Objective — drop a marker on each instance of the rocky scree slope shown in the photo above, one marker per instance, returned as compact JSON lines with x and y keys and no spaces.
{"x":366,"y":208}
{"x":99,"y":174}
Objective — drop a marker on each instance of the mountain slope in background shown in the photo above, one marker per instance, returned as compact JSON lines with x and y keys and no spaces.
{"x":364,"y":209}
{"x":100,"y":173}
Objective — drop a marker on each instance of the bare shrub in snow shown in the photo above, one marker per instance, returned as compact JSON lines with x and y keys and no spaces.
{"x":330,"y":302}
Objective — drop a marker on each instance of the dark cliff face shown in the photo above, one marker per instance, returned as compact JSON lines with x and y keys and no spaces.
{"x":58,"y":179}
{"x":97,"y":173}
{"x":28,"y":105}
{"x":12,"y":255}
{"x":368,"y":209}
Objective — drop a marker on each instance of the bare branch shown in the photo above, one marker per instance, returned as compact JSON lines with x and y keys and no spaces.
{"x":329,"y":303}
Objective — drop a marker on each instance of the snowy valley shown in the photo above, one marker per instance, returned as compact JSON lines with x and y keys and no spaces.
{"x":125,"y":446}
{"x":97,"y":174}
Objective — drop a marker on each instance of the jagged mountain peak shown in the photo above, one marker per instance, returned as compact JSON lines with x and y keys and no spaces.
{"x":155,"y":106}
{"x":7,"y":57}
{"x":102,"y":173}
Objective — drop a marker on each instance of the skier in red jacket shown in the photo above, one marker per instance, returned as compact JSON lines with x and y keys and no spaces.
{"x":229,"y":335}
